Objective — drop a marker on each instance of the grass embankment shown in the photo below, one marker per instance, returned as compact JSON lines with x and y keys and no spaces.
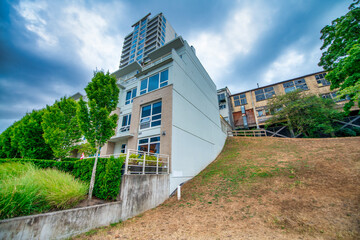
{"x":26,"y":190}
{"x":261,"y":188}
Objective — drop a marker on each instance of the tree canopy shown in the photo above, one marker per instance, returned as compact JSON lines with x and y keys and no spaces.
{"x":341,"y":56}
{"x":307,"y":114}
{"x":60,"y":125}
{"x":94,"y":116}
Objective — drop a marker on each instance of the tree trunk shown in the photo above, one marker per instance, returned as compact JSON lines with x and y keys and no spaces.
{"x":92,"y":181}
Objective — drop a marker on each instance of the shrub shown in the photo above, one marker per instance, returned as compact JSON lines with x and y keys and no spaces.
{"x":345,"y":132}
{"x":108,"y":174}
{"x":26,"y":190}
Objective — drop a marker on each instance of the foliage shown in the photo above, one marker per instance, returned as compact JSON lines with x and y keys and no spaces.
{"x":341,"y":57}
{"x":95,"y":119}
{"x":26,"y":190}
{"x":85,"y":148}
{"x":61,"y":130}
{"x":108,"y":174}
{"x":345,"y":132}
{"x":7,"y":147}
{"x":306,"y":114}
{"x":28,"y":136}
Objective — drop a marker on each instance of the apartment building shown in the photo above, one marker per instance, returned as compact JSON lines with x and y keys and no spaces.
{"x":169,"y":106}
{"x":148,"y":34}
{"x":225,"y":106}
{"x":250,"y":107}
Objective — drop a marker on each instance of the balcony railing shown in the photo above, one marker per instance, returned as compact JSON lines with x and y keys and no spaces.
{"x":157,"y":61}
{"x":139,"y":162}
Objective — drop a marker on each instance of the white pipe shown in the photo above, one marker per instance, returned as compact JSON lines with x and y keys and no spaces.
{"x":179,"y":192}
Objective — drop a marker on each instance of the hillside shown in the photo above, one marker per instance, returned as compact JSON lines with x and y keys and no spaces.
{"x":261,"y":188}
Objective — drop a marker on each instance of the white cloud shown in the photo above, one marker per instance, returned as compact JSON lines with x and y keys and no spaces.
{"x":78,"y":28}
{"x":244,"y":26}
{"x":291,"y":64}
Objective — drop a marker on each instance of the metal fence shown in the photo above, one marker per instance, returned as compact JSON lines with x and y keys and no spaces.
{"x":249,"y":133}
{"x":139,"y":162}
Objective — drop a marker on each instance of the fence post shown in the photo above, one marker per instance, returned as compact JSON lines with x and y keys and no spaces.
{"x":157,"y":163}
{"x":168,"y":164}
{"x":127,"y":161}
{"x":143,"y":170}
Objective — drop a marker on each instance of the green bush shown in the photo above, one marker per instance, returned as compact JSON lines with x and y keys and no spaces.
{"x":108,"y":172}
{"x":26,"y":190}
{"x":345,"y":132}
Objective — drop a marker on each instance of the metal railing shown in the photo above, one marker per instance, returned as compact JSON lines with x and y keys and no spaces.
{"x":249,"y":133}
{"x":139,"y":162}
{"x":157,"y":61}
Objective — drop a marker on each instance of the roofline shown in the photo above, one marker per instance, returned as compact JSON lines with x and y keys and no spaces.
{"x":141,"y":19}
{"x":273,"y":84}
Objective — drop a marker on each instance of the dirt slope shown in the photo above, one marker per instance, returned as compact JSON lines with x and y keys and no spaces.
{"x":261,"y":188}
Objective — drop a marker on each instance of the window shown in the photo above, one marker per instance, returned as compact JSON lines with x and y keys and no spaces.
{"x":293,"y":85}
{"x":125,"y":124}
{"x":150,"y":115}
{"x":264,"y":93}
{"x":321,"y":81}
{"x":151,"y":144}
{"x":240,"y":99}
{"x":222,"y":106}
{"x":130,"y":96}
{"x":154,"y":82}
{"x":261,"y":113}
{"x":221,"y":98}
{"x":333,"y":97}
{"x":123,"y":148}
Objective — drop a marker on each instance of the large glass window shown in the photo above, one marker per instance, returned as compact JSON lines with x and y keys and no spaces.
{"x":130,"y":96}
{"x":151,"y":144}
{"x":154,"y":82}
{"x":125,"y":123}
{"x":123,"y":148}
{"x":150,"y":115}
{"x":293,"y":85}
{"x":333,"y":97}
{"x":221,"y":98}
{"x":264,"y":93}
{"x":321,"y":81}
{"x":240,"y":100}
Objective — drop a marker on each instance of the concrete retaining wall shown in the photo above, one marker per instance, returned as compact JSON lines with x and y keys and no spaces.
{"x":139,"y":193}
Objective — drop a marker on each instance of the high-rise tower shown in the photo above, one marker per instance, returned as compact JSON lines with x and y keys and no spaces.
{"x":148,"y":34}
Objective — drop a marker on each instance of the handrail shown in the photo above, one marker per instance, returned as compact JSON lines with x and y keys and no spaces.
{"x":140,"y":162}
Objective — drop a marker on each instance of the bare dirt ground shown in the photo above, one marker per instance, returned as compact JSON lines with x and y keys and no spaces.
{"x":261,"y":188}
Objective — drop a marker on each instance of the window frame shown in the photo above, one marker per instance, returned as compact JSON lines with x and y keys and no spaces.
{"x":161,"y":81}
{"x":296,"y":84}
{"x":132,"y":95}
{"x":150,"y":141}
{"x":125,"y":127}
{"x":265,"y":93}
{"x":152,"y":120}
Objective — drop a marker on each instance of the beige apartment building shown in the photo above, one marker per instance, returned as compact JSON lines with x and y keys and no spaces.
{"x":250,"y":107}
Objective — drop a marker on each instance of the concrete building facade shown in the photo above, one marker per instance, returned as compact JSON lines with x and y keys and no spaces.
{"x":225,"y":106}
{"x":169,"y":105}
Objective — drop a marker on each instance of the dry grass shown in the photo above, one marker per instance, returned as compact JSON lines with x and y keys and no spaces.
{"x":261,"y":188}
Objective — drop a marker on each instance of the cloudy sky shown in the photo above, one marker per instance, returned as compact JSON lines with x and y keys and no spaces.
{"x":49,"y":49}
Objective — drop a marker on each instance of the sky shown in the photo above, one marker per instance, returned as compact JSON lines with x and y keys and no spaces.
{"x":50,"y":49}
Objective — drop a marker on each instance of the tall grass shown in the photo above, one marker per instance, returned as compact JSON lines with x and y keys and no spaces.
{"x":25,"y":190}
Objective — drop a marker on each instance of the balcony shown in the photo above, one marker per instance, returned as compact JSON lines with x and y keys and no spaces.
{"x":157,"y":61}
{"x":123,"y":134}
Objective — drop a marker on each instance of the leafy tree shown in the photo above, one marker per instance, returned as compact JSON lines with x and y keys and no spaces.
{"x":60,"y":125}
{"x":95,"y":119}
{"x":27,"y":135}
{"x":8,"y":148}
{"x":306,"y":114}
{"x":341,"y":57}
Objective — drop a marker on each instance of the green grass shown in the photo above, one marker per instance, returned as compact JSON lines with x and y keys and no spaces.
{"x":25,"y":190}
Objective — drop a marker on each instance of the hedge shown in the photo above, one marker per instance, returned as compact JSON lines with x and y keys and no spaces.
{"x":108,"y":172}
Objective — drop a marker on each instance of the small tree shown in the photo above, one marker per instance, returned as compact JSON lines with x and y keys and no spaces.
{"x":27,"y":137}
{"x":341,"y":57}
{"x":306,"y":114}
{"x":95,"y":119}
{"x":60,"y":125}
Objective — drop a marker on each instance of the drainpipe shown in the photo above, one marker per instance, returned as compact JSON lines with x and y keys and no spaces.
{"x":253,"y":106}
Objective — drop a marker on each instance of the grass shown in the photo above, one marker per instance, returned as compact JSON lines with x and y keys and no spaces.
{"x":26,"y":190}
